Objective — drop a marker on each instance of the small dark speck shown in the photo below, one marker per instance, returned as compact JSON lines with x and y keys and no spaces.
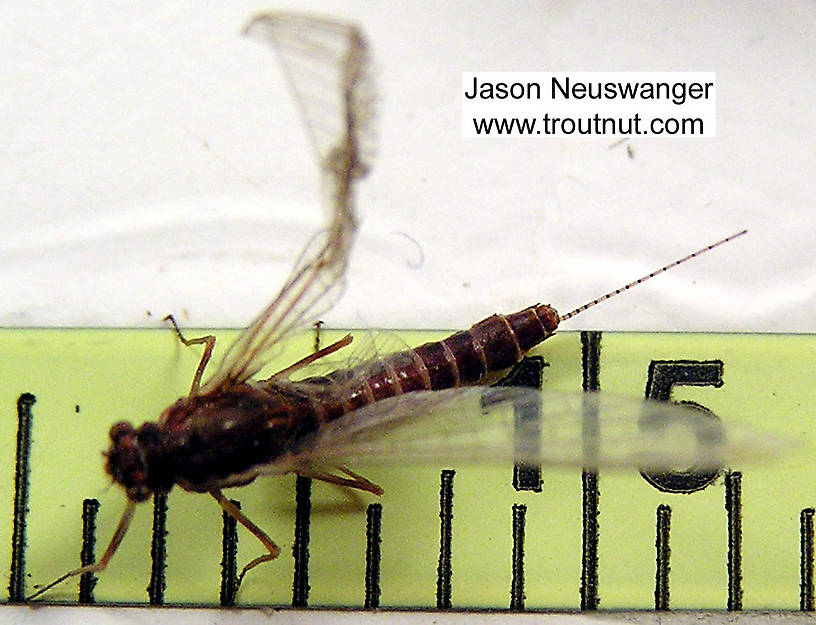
{"x":629,"y":151}
{"x":466,"y":285}
{"x":76,"y":408}
{"x":148,"y":313}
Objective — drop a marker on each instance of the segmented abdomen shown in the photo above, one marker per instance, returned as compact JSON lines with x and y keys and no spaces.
{"x":463,"y":358}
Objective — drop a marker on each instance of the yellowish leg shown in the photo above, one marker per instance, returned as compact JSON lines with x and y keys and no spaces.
{"x":209,"y":343}
{"x":100,"y":564}
{"x":353,"y":480}
{"x":235,"y":513}
{"x":325,"y":351}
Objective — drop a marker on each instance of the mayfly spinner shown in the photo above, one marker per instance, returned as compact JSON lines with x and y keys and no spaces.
{"x":230,"y":429}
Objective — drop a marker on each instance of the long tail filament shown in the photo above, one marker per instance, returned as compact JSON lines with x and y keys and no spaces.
{"x":648,"y":276}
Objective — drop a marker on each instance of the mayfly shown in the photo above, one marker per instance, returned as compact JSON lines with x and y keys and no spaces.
{"x":230,"y":429}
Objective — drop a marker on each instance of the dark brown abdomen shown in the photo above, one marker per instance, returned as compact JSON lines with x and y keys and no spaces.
{"x":463,"y":358}
{"x":491,"y":345}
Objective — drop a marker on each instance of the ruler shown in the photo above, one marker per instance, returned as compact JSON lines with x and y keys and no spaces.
{"x":452,"y":537}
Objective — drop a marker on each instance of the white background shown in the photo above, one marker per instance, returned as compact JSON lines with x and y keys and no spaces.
{"x":153,"y":160}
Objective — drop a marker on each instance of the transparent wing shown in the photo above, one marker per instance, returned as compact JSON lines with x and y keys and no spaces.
{"x":328,"y":69}
{"x":327,"y":66}
{"x":367,"y":352}
{"x":526,"y":426}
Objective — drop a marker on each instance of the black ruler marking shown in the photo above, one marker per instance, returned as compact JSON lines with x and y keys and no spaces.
{"x":528,"y":373}
{"x":22,"y":471}
{"x":300,"y":547}
{"x":517,"y":584}
{"x":806,"y":560}
{"x":591,"y":360}
{"x":591,"y":367}
{"x":373,"y":540}
{"x":229,"y":557}
{"x":663,"y":376}
{"x":87,"y":581}
{"x":158,"y":551}
{"x":663,"y":557}
{"x":733,"y":505}
{"x":443,"y":571}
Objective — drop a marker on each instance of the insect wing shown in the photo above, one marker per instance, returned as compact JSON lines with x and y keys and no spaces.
{"x":359,"y":360}
{"x":327,"y":65}
{"x":527,"y":426}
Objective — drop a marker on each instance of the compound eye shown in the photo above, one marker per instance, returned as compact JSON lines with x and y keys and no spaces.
{"x":120,"y":430}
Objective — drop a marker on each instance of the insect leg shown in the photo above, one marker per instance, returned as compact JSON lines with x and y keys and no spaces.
{"x":209,"y":344}
{"x":353,"y":480}
{"x":235,"y":513}
{"x":100,"y":564}
{"x":320,"y":353}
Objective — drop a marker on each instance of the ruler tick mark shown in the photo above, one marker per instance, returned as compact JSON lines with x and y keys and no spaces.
{"x":444,"y":572}
{"x":22,"y":470}
{"x":806,"y":603}
{"x":663,"y":557}
{"x":591,"y":366}
{"x":90,"y":508}
{"x":158,"y":551}
{"x":300,"y":547}
{"x":517,"y":585}
{"x":373,"y":539}
{"x":229,"y":557}
{"x":733,"y":505}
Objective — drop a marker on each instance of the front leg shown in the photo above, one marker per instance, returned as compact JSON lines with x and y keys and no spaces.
{"x":209,"y":344}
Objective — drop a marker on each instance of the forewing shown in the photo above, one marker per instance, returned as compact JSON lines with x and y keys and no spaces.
{"x":526,"y":426}
{"x":327,"y":66}
{"x":328,"y":69}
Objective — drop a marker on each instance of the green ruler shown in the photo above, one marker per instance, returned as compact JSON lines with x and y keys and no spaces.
{"x":459,"y":536}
